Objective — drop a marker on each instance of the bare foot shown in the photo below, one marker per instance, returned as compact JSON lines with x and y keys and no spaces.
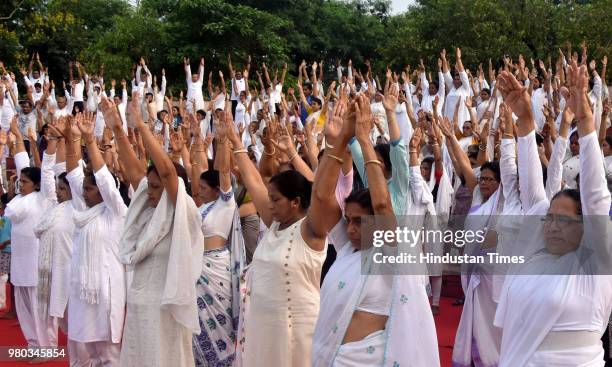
{"x":435,"y":310}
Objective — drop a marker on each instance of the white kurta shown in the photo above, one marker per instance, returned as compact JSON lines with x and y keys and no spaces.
{"x":163,"y":245}
{"x":24,"y":212}
{"x":60,"y":235}
{"x":102,"y":321}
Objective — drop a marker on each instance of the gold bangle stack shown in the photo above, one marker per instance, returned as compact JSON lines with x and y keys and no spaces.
{"x":241,"y":151}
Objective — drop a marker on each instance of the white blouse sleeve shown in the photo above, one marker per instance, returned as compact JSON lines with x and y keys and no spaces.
{"x":75,"y":179}
{"x":110,"y":192}
{"x":531,"y":183}
{"x":594,"y":192}
{"x":22,"y":160}
{"x":47,"y":179}
{"x":554,"y":171}
{"x":508,"y":170}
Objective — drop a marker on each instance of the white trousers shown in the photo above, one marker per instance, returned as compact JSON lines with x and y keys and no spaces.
{"x":74,"y":349}
{"x":96,"y":354}
{"x":39,"y":330}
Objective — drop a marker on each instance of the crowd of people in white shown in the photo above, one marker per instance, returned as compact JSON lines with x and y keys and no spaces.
{"x":157,"y":232}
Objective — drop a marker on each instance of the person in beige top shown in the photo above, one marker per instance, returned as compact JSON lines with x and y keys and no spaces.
{"x":280,"y":289}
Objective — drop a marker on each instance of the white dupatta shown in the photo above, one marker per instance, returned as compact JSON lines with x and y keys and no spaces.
{"x":182,"y":220}
{"x":91,"y":252}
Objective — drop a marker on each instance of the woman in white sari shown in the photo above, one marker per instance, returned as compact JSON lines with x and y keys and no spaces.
{"x":25,"y":209}
{"x":477,"y":340}
{"x":96,"y":304}
{"x":223,"y":256}
{"x":161,"y":243}
{"x":555,"y":310}
{"x":360,"y":314}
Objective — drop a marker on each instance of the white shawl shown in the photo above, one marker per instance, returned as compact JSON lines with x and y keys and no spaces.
{"x":91,"y":252}
{"x":45,"y":252}
{"x":182,"y":220}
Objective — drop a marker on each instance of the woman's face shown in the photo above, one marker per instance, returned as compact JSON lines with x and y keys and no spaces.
{"x":281,"y":208}
{"x":63,"y":191}
{"x":426,"y":170}
{"x":467,"y":129}
{"x":562,"y":226}
{"x":91,"y":194}
{"x":457,"y":81}
{"x":487,"y":183}
{"x":155,"y":188}
{"x":574,"y":145}
{"x":207,"y":193}
{"x":352,"y":214}
{"x":26,"y":185}
{"x":242,"y":97}
{"x":607,"y":149}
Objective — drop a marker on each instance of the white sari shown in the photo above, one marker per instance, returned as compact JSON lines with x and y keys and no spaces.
{"x":410,"y":334}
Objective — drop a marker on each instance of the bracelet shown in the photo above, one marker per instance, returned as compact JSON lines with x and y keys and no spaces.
{"x":273,"y":152}
{"x":71,"y":155}
{"x":482,"y":148}
{"x":375,"y":161}
{"x":412,"y":152}
{"x":336,"y":158}
{"x":293,"y":157}
{"x":328,"y":145}
{"x":52,"y":139}
{"x":241,"y":151}
{"x":195,"y":164}
{"x":509,"y":136}
{"x":199,"y":150}
{"x":75,"y":140}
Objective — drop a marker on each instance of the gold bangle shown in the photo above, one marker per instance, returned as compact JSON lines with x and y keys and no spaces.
{"x":328,"y":145}
{"x":241,"y":151}
{"x":273,"y":152}
{"x":375,"y":161}
{"x":195,"y":164}
{"x":412,"y":152}
{"x":71,"y":155}
{"x":482,"y":148}
{"x":509,"y":136}
{"x":293,"y":157}
{"x":200,"y":150}
{"x":75,"y":140}
{"x":336,"y":158}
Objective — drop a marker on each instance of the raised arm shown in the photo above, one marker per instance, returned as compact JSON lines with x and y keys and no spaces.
{"x":462,"y":159}
{"x":530,"y":171}
{"x":381,"y":199}
{"x":324,"y":211}
{"x":132,"y":169}
{"x":250,"y":175}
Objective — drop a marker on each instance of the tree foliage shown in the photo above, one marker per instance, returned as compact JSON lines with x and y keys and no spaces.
{"x":118,"y":32}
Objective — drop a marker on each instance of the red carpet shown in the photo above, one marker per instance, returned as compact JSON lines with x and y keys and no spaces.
{"x":446,"y":324}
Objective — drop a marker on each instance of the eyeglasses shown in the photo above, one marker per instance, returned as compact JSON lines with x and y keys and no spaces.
{"x":482,"y":179}
{"x":559,"y":219}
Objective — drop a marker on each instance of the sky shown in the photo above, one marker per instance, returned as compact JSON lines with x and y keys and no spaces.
{"x":400,"y":6}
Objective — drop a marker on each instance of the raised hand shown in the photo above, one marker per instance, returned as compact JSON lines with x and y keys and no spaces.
{"x":578,"y":82}
{"x":363,"y":118}
{"x":284,"y":141}
{"x":112,"y":118}
{"x":333,"y":127}
{"x":391,"y":97}
{"x":176,"y":141}
{"x":86,"y":124}
{"x":515,"y":95}
{"x":445,"y":126}
{"x":415,"y":140}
